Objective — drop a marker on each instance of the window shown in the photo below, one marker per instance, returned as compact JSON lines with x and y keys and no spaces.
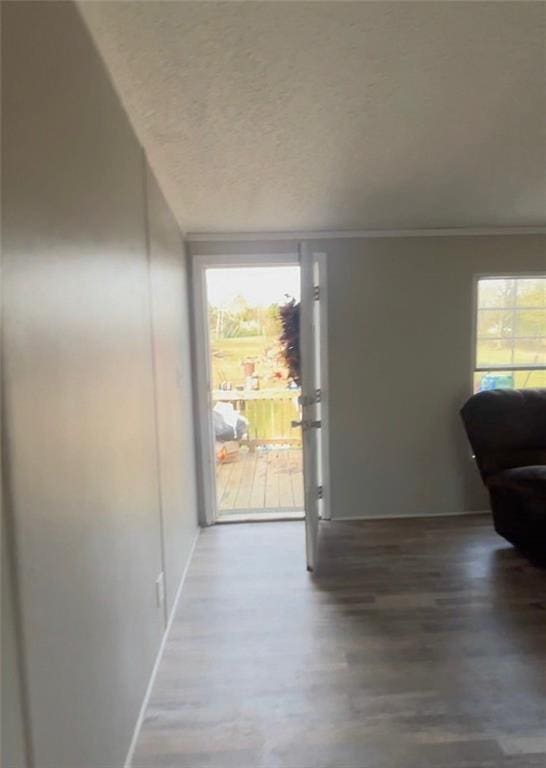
{"x":510,"y":333}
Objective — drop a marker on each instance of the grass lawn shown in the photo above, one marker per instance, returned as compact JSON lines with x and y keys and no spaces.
{"x":492,"y":354}
{"x":229,"y":354}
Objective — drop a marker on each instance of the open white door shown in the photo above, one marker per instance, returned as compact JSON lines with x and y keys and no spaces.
{"x":313,"y":398}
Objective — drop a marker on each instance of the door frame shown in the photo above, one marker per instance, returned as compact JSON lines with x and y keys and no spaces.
{"x":208,"y":512}
{"x":325,"y":507}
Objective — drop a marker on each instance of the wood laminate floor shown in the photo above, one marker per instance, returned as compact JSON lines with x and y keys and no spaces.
{"x":420,"y":644}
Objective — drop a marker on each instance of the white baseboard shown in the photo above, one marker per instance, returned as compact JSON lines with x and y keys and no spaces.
{"x":144,"y":706}
{"x":408,"y":517}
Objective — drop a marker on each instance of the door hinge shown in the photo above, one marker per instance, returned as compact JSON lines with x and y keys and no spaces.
{"x":320,"y":491}
{"x":304,"y":400}
{"x":307,"y":424}
{"x":316,"y":292}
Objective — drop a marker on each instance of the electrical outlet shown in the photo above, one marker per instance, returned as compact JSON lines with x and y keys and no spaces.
{"x":160,"y":589}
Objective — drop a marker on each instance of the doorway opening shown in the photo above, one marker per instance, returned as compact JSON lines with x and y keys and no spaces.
{"x":261,"y":385}
{"x":252,"y":317}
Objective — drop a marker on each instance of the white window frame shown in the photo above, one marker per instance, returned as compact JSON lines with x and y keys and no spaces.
{"x":496,"y":276}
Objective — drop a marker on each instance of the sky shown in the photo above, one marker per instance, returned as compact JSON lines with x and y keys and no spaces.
{"x":260,"y":286}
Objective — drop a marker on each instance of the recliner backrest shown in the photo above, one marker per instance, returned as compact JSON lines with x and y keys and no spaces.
{"x":506,"y":428}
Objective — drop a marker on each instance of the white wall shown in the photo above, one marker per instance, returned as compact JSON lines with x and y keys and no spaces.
{"x":13,"y":734}
{"x":93,"y":267}
{"x":171,"y":350}
{"x":400,"y":314}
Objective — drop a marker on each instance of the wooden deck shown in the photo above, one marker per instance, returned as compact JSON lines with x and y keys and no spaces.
{"x":261,"y":481}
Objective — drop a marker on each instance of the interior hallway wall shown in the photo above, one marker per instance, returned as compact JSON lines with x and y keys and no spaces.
{"x":171,"y":349}
{"x":13,"y":734}
{"x":400,"y":330}
{"x":90,"y":254}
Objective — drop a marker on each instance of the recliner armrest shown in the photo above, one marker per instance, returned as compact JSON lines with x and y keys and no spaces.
{"x":529,"y":481}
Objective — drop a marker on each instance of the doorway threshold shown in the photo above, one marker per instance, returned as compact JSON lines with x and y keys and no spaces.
{"x":258,"y":516}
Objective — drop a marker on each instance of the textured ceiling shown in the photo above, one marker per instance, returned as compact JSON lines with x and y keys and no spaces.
{"x":333,"y":115}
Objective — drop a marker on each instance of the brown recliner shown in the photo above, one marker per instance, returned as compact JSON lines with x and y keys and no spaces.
{"x":507,"y":432}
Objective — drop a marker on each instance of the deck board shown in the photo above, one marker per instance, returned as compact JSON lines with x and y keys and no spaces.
{"x":286,"y":492}
{"x":261,"y":480}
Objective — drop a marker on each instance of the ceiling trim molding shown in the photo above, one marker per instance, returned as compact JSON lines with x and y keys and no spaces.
{"x":211,"y":237}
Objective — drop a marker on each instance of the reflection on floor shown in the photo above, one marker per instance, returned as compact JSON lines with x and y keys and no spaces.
{"x":419,"y":644}
{"x":266,"y":480}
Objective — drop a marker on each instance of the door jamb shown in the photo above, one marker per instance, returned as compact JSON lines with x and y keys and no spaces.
{"x":322,"y":259}
{"x":208,"y":512}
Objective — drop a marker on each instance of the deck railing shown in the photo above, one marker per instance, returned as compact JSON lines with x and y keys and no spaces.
{"x":269,"y":413}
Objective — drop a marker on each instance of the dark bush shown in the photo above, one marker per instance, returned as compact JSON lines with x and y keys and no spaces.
{"x":290,"y":338}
